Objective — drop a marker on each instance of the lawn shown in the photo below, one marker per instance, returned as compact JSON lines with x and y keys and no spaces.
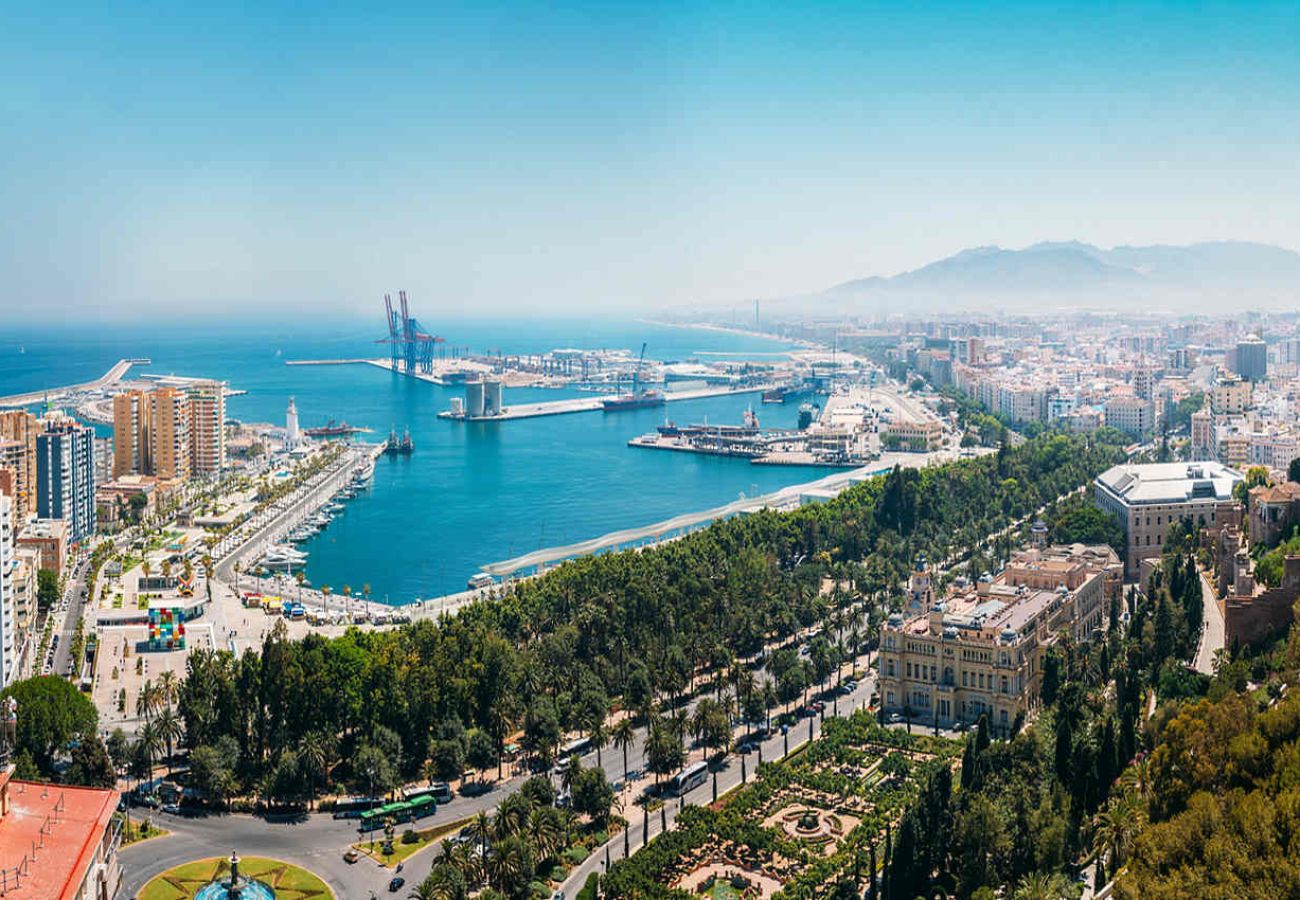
{"x":289,"y":881}
{"x":401,"y":851}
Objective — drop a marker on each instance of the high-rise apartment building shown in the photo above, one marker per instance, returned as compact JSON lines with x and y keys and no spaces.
{"x":1252,"y":359}
{"x":65,"y":475}
{"x":207,"y":401}
{"x":131,"y":434}
{"x":169,"y":435}
{"x":8,"y":586}
{"x":20,"y":426}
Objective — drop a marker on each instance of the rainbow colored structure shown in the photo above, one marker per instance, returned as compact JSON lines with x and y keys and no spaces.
{"x":166,"y":629}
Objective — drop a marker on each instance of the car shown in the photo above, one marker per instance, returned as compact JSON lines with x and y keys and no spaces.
{"x":171,"y":808}
{"x":817,"y":706}
{"x":558,"y":895}
{"x":396,"y":884}
{"x":894,"y":718}
{"x":351,"y":857}
{"x":635,"y":774}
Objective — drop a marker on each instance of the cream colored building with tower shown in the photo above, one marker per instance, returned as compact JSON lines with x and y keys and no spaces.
{"x":978,"y":651}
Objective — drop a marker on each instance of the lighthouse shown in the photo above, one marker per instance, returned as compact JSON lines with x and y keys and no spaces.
{"x":291,"y":436}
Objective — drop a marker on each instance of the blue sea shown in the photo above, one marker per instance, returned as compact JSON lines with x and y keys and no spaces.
{"x":471,"y":494}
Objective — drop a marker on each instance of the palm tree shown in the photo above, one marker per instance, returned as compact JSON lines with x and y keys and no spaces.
{"x":623,"y":736}
{"x":168,"y":688}
{"x":508,"y":865}
{"x":480,"y":829}
{"x":314,"y":755}
{"x":206,"y":563}
{"x":544,"y":833}
{"x":365,"y":591}
{"x":598,"y":734}
{"x":347,"y":596}
{"x":170,"y":729}
{"x":1045,"y":886}
{"x":151,"y":742}
{"x":146,"y":702}
{"x":325,"y":597}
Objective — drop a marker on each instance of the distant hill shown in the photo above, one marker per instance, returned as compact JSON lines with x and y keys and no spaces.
{"x":1193,"y":277}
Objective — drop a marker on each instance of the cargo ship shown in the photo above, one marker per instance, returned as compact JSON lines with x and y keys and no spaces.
{"x":331,"y":429}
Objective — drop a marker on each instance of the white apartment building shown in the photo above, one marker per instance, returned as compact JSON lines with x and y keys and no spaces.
{"x":1131,"y":415}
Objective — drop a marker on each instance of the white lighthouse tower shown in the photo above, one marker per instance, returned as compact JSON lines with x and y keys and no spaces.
{"x":291,"y":436}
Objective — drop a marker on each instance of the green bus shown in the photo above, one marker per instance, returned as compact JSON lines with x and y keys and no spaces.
{"x":400,"y":812}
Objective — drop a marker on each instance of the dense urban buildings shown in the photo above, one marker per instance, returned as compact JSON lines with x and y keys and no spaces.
{"x":978,"y":650}
{"x":1147,"y":499}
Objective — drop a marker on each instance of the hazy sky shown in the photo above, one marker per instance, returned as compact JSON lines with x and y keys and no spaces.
{"x":615,"y":155}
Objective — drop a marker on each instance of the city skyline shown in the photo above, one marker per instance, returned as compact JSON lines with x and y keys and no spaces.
{"x":513,"y":159}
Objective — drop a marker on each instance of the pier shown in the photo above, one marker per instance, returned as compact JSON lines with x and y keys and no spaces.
{"x":109,"y":378}
{"x":593,"y":404}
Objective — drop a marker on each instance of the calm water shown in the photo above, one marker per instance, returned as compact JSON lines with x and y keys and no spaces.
{"x":471,"y":493}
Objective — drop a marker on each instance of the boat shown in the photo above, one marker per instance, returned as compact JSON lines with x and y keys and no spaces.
{"x":331,"y":429}
{"x":639,"y":400}
{"x":639,"y":397}
{"x":403,"y":446}
{"x":785,"y":392}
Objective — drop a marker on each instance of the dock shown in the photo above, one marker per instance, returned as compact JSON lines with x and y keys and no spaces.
{"x":593,"y":404}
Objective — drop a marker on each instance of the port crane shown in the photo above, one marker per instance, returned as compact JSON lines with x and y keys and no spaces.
{"x":411,"y":346}
{"x":636,"y":375}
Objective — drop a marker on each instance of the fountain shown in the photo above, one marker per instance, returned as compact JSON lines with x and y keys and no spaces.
{"x":235,"y":887}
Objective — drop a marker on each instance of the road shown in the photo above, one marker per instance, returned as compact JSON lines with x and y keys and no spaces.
{"x":1212,"y":631}
{"x":70,"y":608}
{"x":317,"y":841}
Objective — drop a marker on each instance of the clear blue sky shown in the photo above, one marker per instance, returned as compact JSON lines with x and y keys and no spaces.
{"x":615,"y":156}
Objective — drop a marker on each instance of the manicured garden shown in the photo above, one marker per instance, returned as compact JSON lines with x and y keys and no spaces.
{"x":802,"y":827}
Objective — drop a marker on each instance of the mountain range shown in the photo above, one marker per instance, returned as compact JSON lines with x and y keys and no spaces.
{"x":1194,"y":277}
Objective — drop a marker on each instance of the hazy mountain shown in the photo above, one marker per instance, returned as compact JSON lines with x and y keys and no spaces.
{"x":1192,"y":277}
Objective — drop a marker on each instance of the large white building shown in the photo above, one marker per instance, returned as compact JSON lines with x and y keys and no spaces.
{"x":1147,"y":499}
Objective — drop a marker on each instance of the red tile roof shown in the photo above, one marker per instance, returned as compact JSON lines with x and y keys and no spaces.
{"x":66,"y":850}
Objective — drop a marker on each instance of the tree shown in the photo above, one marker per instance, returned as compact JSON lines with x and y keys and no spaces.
{"x":481,"y":750}
{"x":211,"y":774}
{"x":91,"y":765}
{"x":448,"y":757}
{"x":592,"y":794}
{"x":541,"y":729}
{"x":373,"y":770}
{"x":51,"y":714}
{"x":663,"y":751}
{"x":47,"y":588}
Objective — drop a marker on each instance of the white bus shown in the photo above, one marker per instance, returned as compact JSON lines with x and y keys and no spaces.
{"x":576,"y":747}
{"x":689,"y":778}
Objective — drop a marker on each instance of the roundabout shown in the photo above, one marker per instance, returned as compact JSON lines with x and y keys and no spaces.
{"x":256,"y":878}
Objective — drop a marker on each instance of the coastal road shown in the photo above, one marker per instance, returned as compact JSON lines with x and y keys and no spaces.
{"x":1212,"y":629}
